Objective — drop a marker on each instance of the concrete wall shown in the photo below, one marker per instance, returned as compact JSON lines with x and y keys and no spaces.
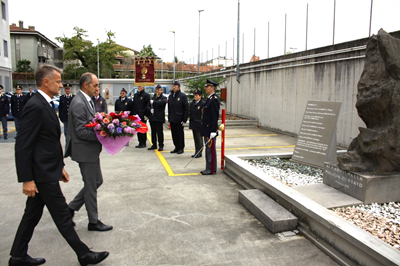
{"x":275,"y":90}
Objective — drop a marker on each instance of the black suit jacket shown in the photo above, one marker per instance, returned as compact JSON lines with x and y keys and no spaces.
{"x":38,"y":152}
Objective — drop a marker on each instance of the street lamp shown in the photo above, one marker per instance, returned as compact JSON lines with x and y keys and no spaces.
{"x":198,"y":54}
{"x":183,"y":63}
{"x":98,"y":64}
{"x":292,"y":49}
{"x":174,"y":52}
{"x":162,"y":61}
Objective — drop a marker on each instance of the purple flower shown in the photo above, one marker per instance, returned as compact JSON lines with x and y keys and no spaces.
{"x":119,"y":130}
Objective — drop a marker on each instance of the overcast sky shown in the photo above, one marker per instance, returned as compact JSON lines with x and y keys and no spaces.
{"x":138,"y":23}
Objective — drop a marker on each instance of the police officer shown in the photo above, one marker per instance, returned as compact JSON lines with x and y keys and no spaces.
{"x":196,"y":108}
{"x":157,"y":118}
{"x":141,"y":107}
{"x":18,"y":101}
{"x":63,"y":108}
{"x":4,"y":111}
{"x":209,"y":127}
{"x":100,"y":104}
{"x":123,"y":103}
{"x":178,"y":109}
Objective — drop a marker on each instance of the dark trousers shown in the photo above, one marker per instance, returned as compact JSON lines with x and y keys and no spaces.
{"x":211,"y":155}
{"x":4,"y":123}
{"x":157,"y":131}
{"x":198,"y":141}
{"x":50,"y":194}
{"x":178,"y":136}
{"x":142,"y":136}
{"x":16,"y":122}
{"x":65,"y":130}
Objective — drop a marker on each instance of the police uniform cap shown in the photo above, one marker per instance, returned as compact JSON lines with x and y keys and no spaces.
{"x":18,"y":87}
{"x":67,"y":86}
{"x":210,"y":83}
{"x":158,"y":86}
{"x":1,"y":87}
{"x":177,"y":83}
{"x":199,"y":92}
{"x":123,"y":89}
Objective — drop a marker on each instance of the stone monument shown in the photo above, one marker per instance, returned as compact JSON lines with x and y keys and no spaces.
{"x":370,"y":170}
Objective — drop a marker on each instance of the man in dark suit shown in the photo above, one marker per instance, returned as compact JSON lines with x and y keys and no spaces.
{"x":196,"y":107}
{"x":30,"y":94}
{"x":100,"y":104}
{"x":157,"y":118}
{"x":141,"y":107}
{"x":4,"y":111}
{"x":18,"y":101}
{"x":63,"y":108}
{"x":40,"y":166}
{"x":84,"y":148}
{"x":209,"y":127}
{"x":178,"y":110}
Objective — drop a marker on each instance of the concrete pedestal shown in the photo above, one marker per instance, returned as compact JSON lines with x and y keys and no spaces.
{"x":366,"y":187}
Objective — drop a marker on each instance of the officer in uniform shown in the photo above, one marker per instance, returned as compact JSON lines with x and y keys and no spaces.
{"x":178,"y":109}
{"x":196,"y":108}
{"x":141,"y":107}
{"x":4,"y":110}
{"x":18,"y":101}
{"x":209,"y":127}
{"x":63,"y":108}
{"x":123,"y":103}
{"x":157,"y":118}
{"x":100,"y":104}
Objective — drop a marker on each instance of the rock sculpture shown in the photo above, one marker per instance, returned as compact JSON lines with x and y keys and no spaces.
{"x":377,"y":147}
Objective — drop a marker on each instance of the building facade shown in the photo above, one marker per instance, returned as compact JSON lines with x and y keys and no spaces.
{"x":5,"y":55}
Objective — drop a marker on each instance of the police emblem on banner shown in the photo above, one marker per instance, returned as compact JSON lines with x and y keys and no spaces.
{"x":144,"y":71}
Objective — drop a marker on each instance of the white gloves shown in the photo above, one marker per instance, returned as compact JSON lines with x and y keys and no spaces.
{"x":151,"y":101}
{"x":152,"y":111}
{"x":213,"y":135}
{"x":183,"y":123}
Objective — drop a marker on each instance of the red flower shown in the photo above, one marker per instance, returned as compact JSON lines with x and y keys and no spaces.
{"x":143,"y":128}
{"x":91,"y":124}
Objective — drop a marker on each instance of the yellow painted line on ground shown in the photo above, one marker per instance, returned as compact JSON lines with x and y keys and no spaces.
{"x":165,"y":163}
{"x":251,"y":148}
{"x":8,"y":131}
{"x":240,"y":136}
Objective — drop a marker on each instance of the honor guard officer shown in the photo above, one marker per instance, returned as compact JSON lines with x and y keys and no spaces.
{"x":4,"y":111}
{"x":63,"y":108}
{"x":178,"y":109}
{"x":196,"y":107}
{"x":157,"y":118}
{"x":100,"y":104}
{"x":123,"y":103}
{"x":209,"y":127}
{"x":18,"y":101}
{"x":141,"y":107}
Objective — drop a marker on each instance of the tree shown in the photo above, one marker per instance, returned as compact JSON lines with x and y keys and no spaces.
{"x":147,"y":52}
{"x":24,"y":65}
{"x":84,"y":53}
{"x":198,"y":84}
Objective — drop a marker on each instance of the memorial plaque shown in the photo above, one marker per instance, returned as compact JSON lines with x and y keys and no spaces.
{"x":316,"y":142}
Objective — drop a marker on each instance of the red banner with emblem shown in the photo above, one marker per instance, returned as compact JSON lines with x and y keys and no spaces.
{"x":144,"y":72}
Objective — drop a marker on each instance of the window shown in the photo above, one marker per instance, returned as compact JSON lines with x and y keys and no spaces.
{"x":5,"y":48}
{"x":3,"y":10}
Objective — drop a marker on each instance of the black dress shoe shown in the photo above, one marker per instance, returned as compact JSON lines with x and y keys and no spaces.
{"x":198,"y":156}
{"x":179,"y":152}
{"x":161,"y":148}
{"x":27,"y":260}
{"x":72,"y":216}
{"x":207,"y":173}
{"x":99,"y":226}
{"x":193,"y":155}
{"x":5,"y":137}
{"x":174,"y":151}
{"x":152,"y":148}
{"x":140,"y":146}
{"x":93,"y":258}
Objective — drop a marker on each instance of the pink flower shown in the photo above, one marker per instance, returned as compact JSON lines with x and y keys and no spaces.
{"x":97,"y":127}
{"x":125,"y":114}
{"x":98,"y":116}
